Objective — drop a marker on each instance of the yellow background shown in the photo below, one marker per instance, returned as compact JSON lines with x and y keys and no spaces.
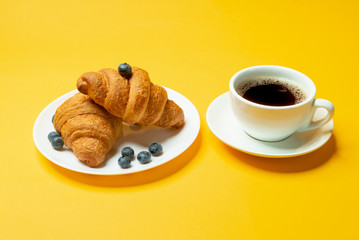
{"x":210,"y":191}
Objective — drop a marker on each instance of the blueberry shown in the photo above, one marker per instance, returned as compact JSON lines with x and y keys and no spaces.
{"x":155,"y":149}
{"x":144,"y":157}
{"x":124,"y":162}
{"x":52,"y":120}
{"x":125,"y":70}
{"x":57,"y":143}
{"x":52,"y":135}
{"x":127,"y":151}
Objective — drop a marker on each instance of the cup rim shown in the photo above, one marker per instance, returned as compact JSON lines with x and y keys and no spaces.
{"x":236,"y":95}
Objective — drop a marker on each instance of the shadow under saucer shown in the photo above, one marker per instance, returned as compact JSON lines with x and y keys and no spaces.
{"x":294,"y":164}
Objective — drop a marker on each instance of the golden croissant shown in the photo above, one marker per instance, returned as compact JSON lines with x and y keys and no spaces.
{"x":87,"y":128}
{"x":135,"y":100}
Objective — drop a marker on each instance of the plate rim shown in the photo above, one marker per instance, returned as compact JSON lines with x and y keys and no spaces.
{"x":192,"y":136}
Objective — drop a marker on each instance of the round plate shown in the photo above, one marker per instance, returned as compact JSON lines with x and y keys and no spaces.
{"x":173,"y":141}
{"x":225,"y":126}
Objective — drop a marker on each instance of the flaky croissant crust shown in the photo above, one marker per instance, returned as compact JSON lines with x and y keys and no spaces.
{"x":135,"y":100}
{"x":87,"y":128}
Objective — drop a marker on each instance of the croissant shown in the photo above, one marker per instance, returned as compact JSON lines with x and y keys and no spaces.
{"x":87,"y":128}
{"x":135,"y":100}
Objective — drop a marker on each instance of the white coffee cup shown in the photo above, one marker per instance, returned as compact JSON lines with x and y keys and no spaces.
{"x":275,"y":123}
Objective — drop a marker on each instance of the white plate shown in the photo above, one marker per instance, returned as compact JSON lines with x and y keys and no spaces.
{"x":224,"y":126}
{"x":138,"y":137}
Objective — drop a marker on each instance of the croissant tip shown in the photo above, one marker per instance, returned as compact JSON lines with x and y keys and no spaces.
{"x":179,"y":125}
{"x":92,"y":160}
{"x":82,"y":85}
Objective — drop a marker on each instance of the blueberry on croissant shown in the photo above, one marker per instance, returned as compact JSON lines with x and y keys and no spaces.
{"x":134,"y":99}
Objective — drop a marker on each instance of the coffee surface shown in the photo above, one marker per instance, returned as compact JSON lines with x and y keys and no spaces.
{"x":272,"y":92}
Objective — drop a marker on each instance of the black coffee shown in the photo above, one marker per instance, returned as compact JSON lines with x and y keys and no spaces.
{"x":272,"y":93}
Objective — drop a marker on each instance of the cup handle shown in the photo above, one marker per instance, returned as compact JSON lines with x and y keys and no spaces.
{"x":319,"y":103}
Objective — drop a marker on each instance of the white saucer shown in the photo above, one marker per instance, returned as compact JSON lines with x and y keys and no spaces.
{"x":225,"y":126}
{"x":173,"y":141}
